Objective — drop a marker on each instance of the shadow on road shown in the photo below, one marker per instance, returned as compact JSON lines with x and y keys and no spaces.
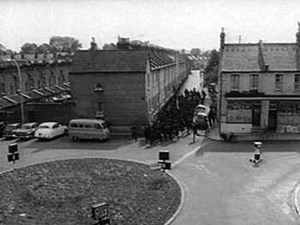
{"x":64,"y":143}
{"x":268,"y":146}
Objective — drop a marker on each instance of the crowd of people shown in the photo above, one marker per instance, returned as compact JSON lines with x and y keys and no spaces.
{"x":175,"y":118}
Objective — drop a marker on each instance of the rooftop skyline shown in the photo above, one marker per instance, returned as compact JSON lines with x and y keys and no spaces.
{"x":168,"y":23}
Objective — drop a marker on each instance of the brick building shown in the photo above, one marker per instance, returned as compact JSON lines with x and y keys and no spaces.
{"x":259,"y":88}
{"x":128,"y":86}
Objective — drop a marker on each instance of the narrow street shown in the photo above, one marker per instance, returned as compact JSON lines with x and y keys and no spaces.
{"x":195,"y":80}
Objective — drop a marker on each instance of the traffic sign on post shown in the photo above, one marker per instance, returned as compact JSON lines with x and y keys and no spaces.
{"x":164,"y":159}
{"x":13,"y":154}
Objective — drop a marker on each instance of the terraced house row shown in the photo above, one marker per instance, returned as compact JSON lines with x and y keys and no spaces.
{"x":260,"y":88}
{"x":36,"y":83}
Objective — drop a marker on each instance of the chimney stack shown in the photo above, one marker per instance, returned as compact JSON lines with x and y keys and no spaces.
{"x":298,"y":47}
{"x":94,"y":46}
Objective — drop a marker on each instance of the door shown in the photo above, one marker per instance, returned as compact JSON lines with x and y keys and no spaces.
{"x":256,"y":116}
{"x":272,"y":120}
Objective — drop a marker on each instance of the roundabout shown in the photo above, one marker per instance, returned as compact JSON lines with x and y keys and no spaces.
{"x":62,"y":192}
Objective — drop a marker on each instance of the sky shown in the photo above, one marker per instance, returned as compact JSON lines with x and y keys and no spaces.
{"x":178,"y":24}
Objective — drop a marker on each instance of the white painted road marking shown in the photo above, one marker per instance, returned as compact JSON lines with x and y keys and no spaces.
{"x":189,"y":154}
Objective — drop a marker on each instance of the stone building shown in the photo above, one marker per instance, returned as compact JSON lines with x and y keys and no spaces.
{"x":259,"y":88}
{"x":127,"y":86}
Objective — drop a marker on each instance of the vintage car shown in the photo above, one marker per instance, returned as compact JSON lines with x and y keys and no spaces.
{"x":200,"y":118}
{"x":26,"y":131}
{"x":201,"y":110}
{"x":50,"y":130}
{"x":8,"y":131}
{"x":80,"y":129}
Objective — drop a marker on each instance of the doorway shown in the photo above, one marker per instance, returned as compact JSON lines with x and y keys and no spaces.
{"x":272,"y":120}
{"x":256,"y":116}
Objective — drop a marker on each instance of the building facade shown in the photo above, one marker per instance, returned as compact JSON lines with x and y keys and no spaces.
{"x":259,"y":87}
{"x":37,"y":84}
{"x":127,"y":86}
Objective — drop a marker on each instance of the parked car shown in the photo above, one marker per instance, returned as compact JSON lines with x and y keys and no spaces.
{"x":88,"y":129}
{"x":50,"y":130}
{"x":8,"y":131}
{"x":26,"y":131}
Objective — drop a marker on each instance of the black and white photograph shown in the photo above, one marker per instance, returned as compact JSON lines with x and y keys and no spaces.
{"x":147,"y":112}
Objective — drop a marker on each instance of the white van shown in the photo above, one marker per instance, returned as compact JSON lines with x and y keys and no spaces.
{"x":88,"y":129}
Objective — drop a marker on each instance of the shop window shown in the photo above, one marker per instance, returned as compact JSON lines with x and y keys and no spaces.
{"x":2,"y":88}
{"x":254,"y":81}
{"x":235,"y":82}
{"x":278,"y":82}
{"x":297,"y":82}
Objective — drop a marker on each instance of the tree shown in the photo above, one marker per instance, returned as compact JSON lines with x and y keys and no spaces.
{"x":29,"y":48}
{"x":44,"y":48}
{"x":211,"y":70}
{"x":66,"y":44}
{"x":195,"y":51}
{"x":110,"y":46}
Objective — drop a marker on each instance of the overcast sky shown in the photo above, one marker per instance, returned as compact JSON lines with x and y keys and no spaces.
{"x":170,"y":23}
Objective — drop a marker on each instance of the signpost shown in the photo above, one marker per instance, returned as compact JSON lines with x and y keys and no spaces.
{"x":164,"y":159}
{"x":13,"y":154}
{"x":100,"y":213}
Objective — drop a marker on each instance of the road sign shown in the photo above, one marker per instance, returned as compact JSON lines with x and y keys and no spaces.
{"x":100,"y":213}
{"x":13,"y":154}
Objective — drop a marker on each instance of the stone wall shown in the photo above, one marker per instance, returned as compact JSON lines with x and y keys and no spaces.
{"x":122,"y":99}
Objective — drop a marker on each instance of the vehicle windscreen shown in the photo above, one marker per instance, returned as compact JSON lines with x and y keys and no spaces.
{"x":44,"y":127}
{"x":10,"y":127}
{"x":26,"y":126}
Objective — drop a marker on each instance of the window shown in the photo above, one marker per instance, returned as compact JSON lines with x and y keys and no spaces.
{"x":297,"y":82}
{"x":100,"y":106}
{"x":98,"y":88}
{"x":254,"y":80}
{"x":235,"y":82}
{"x":73,"y":124}
{"x":2,"y":88}
{"x":278,"y":82}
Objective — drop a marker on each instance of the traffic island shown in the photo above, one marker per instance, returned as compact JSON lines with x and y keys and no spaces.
{"x":62,"y":192}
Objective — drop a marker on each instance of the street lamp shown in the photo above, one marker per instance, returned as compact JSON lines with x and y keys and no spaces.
{"x":20,"y":89}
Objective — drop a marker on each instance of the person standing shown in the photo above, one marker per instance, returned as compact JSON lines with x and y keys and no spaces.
{"x":134,"y":135}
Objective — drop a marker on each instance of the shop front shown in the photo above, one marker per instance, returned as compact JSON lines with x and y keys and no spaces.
{"x":284,"y":116}
{"x":242,"y":116}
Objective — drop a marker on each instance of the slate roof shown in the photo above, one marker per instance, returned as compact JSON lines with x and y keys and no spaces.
{"x":119,"y":60}
{"x":4,"y":103}
{"x":245,"y":57}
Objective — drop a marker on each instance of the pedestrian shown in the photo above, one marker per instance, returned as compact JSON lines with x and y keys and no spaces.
{"x":203,"y":95}
{"x":134,"y":135}
{"x":147,"y":134}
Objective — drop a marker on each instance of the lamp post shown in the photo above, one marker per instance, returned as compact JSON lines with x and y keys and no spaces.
{"x":20,"y":89}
